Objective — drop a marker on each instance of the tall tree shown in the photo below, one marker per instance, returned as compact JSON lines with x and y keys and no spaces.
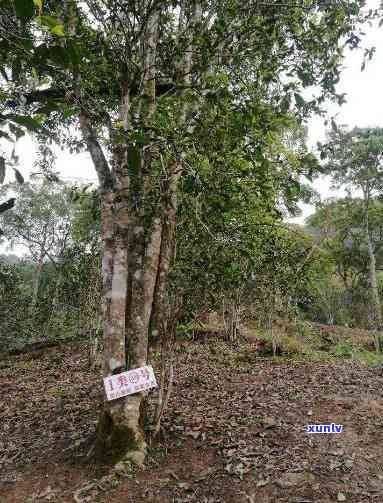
{"x":355,"y":161}
{"x":138,"y":79}
{"x":339,"y":225}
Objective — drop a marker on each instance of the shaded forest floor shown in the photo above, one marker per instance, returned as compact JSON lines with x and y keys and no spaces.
{"x":234,"y":431}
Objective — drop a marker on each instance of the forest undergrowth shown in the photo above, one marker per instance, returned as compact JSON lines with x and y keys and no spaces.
{"x":234,"y":431}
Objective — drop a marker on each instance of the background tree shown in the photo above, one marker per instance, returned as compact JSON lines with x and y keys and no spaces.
{"x":355,"y":162}
{"x":39,"y":221}
{"x":236,"y":200}
{"x":340,"y":227}
{"x":15,"y":326}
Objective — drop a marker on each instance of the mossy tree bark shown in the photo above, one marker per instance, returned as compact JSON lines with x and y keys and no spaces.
{"x":138,"y":242}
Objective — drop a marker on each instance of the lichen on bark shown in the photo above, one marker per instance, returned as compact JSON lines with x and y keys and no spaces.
{"x":119,"y":436}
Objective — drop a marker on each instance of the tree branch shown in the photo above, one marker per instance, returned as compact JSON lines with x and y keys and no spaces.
{"x":100,"y":163}
{"x":7,"y":205}
{"x":56,"y":94}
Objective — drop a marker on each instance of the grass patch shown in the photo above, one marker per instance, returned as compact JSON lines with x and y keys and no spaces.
{"x":305,"y":341}
{"x":344,"y":349}
{"x":284,"y":344}
{"x":369,"y":358}
{"x":301,"y":342}
{"x":194,"y":329}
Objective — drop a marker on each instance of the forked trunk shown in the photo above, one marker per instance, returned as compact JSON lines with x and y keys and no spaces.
{"x":129,"y":273}
{"x":137,"y":233}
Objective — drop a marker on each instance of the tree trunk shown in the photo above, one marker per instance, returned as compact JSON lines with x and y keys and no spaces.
{"x":231,"y":318}
{"x":138,"y":238}
{"x":373,"y":283}
{"x":375,"y":321}
{"x":130,"y":268}
{"x":36,"y":281}
{"x":158,"y":314}
{"x":119,"y":428}
{"x":375,"y":315}
{"x":55,"y":308}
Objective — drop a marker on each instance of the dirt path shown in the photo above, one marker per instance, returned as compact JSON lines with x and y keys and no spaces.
{"x":235,"y":432}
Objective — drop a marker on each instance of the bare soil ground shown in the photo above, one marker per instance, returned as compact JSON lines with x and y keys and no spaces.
{"x":234,"y":431}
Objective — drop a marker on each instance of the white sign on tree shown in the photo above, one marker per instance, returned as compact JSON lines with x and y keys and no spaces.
{"x":127,"y":383}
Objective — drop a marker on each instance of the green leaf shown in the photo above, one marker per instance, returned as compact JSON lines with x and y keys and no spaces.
{"x":19,"y":176}
{"x":14,"y":157}
{"x":24,"y":8}
{"x":73,"y":53}
{"x":334,"y":127}
{"x":59,"y":55}
{"x":58,"y":30}
{"x":4,"y":74}
{"x":2,"y":169}
{"x":69,"y":112}
{"x":299,"y":100}
{"x":17,"y":131}
{"x":25,"y":120}
{"x":285,"y":103}
{"x":48,"y":21}
{"x":38,"y":3}
{"x":56,"y":54}
{"x":50,"y":106}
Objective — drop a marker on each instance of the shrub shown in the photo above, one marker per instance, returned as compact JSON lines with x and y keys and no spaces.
{"x":344,"y":349}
